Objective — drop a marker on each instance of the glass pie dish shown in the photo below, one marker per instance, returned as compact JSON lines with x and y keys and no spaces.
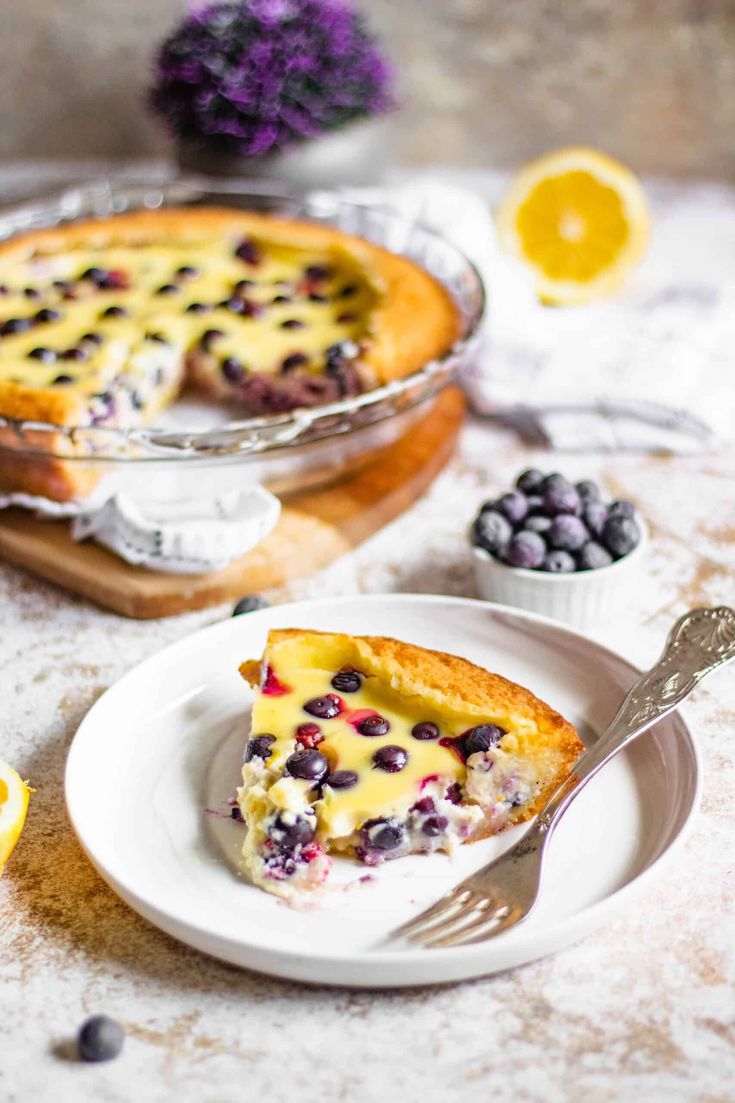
{"x":195,"y":441}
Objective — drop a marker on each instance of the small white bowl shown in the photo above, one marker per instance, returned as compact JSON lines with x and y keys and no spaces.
{"x":583,"y":598}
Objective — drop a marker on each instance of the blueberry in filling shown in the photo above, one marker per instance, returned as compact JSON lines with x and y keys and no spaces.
{"x":114,"y":312}
{"x":288,"y":830}
{"x":481,"y":738}
{"x":342,"y":779}
{"x":347,"y":681}
{"x":61,"y":380}
{"x":390,"y":758}
{"x":233,"y":370}
{"x":247,"y":251}
{"x":47,"y":356}
{"x":425,"y":730}
{"x":434,"y":825}
{"x":373,"y":725}
{"x":259,"y":747}
{"x":308,"y":765}
{"x":325,"y":708}
{"x":15,"y":325}
{"x":292,"y":323}
{"x":208,"y":337}
{"x":381,"y":834}
{"x":47,"y":314}
{"x":295,"y":360}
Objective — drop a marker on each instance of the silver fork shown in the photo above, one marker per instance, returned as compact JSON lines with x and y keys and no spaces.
{"x":503,"y":893}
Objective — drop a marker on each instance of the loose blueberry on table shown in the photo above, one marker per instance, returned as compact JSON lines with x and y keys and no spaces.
{"x":547,"y":523}
{"x":100,"y":1038}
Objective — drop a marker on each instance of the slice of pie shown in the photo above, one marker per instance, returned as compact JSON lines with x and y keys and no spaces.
{"x":102,"y":324}
{"x":374,"y":748}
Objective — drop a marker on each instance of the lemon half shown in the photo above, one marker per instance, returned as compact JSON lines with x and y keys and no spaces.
{"x":14,"y":795}
{"x":580,"y":219}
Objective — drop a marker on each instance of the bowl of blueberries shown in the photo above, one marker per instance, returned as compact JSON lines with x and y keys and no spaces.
{"x":557,"y":548}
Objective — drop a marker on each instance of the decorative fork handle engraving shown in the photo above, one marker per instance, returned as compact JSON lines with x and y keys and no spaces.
{"x":699,"y":642}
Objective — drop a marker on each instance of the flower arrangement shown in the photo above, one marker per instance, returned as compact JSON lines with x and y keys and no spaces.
{"x":253,"y":77}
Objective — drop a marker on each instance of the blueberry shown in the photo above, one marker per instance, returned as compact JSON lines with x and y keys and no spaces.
{"x":91,"y":338}
{"x":562,"y":499}
{"x":492,"y":531}
{"x":114,"y":312}
{"x":588,"y":490}
{"x":32,"y":293}
{"x":308,"y":764}
{"x":242,"y":285}
{"x":100,"y":1039}
{"x":594,"y":515}
{"x":620,"y":535}
{"x":382,"y":834}
{"x":552,"y":482}
{"x":157,"y":338}
{"x":348,"y":291}
{"x":373,"y":725}
{"x":535,"y":504}
{"x":249,"y":604}
{"x":530,"y":480}
{"x":424,"y":805}
{"x":539,"y":524}
{"x":208,"y":337}
{"x":558,"y":562}
{"x":314,"y":298}
{"x":325,"y":708}
{"x":282,"y":299}
{"x":289,"y":831}
{"x":15,"y":325}
{"x":47,"y":314}
{"x":295,"y":360}
{"x":46,"y":355}
{"x":342,"y":779}
{"x":347,"y":681}
{"x":481,"y":738}
{"x":567,"y":533}
{"x":75,"y":353}
{"x":425,"y":730}
{"x":96,"y":275}
{"x":61,"y":380}
{"x":526,"y":549}
{"x":621,"y":508}
{"x":591,"y":556}
{"x":187,"y":271}
{"x":390,"y":758}
{"x":196,"y":308}
{"x":318,"y":272}
{"x":292,"y":323}
{"x":434,"y":825}
{"x":514,"y":506}
{"x":233,"y":370}
{"x":259,"y":747}
{"x":248,"y":252}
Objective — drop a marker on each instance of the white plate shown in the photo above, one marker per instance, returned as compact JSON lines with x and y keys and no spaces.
{"x":166,"y":742}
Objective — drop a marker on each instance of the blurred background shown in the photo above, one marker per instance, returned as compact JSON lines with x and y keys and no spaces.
{"x":484,"y":83}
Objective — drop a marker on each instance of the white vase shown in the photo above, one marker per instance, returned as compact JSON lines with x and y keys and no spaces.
{"x":356,"y":154}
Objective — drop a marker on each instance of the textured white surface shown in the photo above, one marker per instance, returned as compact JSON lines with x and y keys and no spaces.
{"x":642,"y":1010}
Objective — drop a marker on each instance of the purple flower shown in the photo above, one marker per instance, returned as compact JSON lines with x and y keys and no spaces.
{"x":256,"y":76}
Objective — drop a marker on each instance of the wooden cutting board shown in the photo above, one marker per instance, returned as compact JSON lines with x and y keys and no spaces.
{"x":315,"y":527}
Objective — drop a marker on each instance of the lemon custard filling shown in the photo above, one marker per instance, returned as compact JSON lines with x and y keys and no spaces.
{"x":246,"y":319}
{"x":344,"y":759}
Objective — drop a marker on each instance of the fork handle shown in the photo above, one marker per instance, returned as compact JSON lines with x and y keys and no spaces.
{"x":699,"y":642}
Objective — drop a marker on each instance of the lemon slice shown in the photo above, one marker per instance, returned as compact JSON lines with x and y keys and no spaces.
{"x":580,"y":219}
{"x":14,"y":795}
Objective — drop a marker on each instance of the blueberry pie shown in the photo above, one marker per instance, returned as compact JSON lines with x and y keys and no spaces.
{"x":373,"y":748}
{"x":104,"y":323}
